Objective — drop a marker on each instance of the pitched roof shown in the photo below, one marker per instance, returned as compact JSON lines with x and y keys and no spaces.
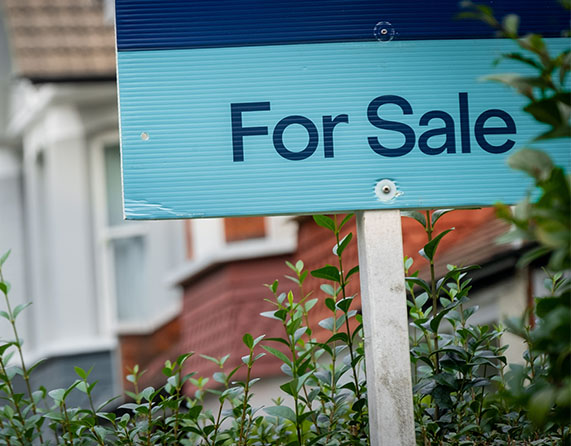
{"x":60,"y":40}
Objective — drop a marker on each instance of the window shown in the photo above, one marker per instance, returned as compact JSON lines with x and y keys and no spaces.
{"x":126,"y":244}
{"x":244,"y":228}
{"x":123,"y":245}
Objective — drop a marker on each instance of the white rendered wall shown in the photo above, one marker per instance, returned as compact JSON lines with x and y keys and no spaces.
{"x":59,"y":215}
{"x":499,"y":302}
{"x":12,"y":237}
{"x":73,"y":309}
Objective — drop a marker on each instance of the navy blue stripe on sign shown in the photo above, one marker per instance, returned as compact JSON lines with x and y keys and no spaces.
{"x":171,"y":24}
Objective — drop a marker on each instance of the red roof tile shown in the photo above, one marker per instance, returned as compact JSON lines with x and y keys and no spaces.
{"x":60,"y":39}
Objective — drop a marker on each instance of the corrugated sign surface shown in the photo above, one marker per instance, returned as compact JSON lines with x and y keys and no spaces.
{"x":255,"y":108}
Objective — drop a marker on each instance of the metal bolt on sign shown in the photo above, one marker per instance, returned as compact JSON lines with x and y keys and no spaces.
{"x":386,"y":190}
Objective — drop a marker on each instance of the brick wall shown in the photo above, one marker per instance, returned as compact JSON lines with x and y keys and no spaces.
{"x":150,"y":349}
{"x":225,"y":303}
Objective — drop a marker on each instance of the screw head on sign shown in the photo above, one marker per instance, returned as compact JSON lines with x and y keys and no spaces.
{"x":384,"y":31}
{"x":386,"y":190}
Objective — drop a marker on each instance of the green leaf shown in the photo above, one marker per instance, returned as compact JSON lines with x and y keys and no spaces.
{"x":408,"y":261}
{"x":510,"y":24}
{"x":547,"y":111}
{"x":20,"y":308}
{"x":4,"y":257}
{"x":524,"y":84}
{"x":277,"y":354}
{"x":341,"y":336}
{"x":330,"y":303}
{"x":289,"y":387}
{"x":220,"y":377}
{"x":344,"y":304}
{"x":327,"y":323}
{"x":435,"y":322}
{"x":280,"y":340}
{"x":273,"y":286}
{"x":520,"y":58}
{"x":147,"y":393}
{"x":534,"y":162}
{"x":446,"y":380}
{"x":57,"y":395}
{"x":540,"y":404}
{"x":111,"y":417}
{"x":545,"y":305}
{"x":439,"y":213}
{"x":248,"y":340}
{"x":129,"y":406}
{"x":421,"y":283}
{"x":83,"y":387}
{"x":299,"y":333}
{"x":561,"y":131}
{"x":430,"y":248}
{"x":328,"y":272}
{"x":419,"y":217}
{"x":258,"y":339}
{"x":345,"y":220}
{"x":310,"y":304}
{"x":534,"y":43}
{"x":80,"y":372}
{"x":565,"y":63}
{"x":281,"y":412}
{"x":421,"y":300}
{"x":70,"y":388}
{"x":110,"y":400}
{"x":211,"y":359}
{"x":328,"y":289}
{"x":270,"y":315}
{"x":193,"y":412}
{"x":352,"y":271}
{"x":325,"y":222}
{"x":301,"y":380}
{"x":442,"y":397}
{"x":532,"y":255}
{"x":182,"y":358}
{"x":281,"y":314}
{"x":338,"y":249}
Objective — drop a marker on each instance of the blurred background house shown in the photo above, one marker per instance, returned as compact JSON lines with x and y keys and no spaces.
{"x":102,"y":287}
{"x":110,"y":293}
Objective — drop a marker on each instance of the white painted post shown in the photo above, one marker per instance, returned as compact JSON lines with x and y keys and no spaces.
{"x":385,"y":324}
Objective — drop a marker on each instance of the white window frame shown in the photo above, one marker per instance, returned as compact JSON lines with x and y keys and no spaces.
{"x":104,"y":256}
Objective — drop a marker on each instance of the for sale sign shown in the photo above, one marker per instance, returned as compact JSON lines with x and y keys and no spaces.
{"x":257,"y":108}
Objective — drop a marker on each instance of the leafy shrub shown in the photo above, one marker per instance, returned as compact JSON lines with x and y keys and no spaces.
{"x":464,"y":393}
{"x":326,"y":381}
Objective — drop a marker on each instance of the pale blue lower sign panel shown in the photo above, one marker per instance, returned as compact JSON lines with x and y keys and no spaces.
{"x":329,"y":127}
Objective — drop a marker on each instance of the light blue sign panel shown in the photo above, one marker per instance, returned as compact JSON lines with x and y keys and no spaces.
{"x":312,"y":128}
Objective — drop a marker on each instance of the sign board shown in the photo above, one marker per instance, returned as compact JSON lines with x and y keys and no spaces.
{"x":243,"y":107}
{"x":257,"y":108}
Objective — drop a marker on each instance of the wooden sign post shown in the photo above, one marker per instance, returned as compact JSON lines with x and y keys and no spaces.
{"x":385,"y":325}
